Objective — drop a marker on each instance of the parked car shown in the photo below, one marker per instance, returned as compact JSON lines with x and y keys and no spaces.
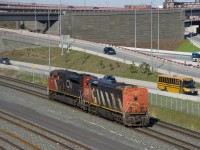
{"x":109,"y":51}
{"x":5,"y":61}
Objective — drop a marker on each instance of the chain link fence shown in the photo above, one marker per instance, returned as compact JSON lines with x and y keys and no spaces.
{"x":185,"y":106}
{"x":25,"y":74}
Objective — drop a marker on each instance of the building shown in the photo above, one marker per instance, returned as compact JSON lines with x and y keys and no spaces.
{"x":171,"y":4}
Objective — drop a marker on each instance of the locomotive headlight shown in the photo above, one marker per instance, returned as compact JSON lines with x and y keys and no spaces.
{"x":135,"y":98}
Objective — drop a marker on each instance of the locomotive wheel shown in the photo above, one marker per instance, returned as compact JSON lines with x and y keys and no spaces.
{"x":86,"y":108}
{"x":51,"y":95}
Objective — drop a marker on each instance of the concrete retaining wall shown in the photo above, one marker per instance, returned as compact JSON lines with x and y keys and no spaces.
{"x":118,"y":28}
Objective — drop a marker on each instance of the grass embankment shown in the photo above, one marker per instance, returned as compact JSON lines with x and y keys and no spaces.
{"x":80,"y":61}
{"x":91,"y":63}
{"x":176,"y":117}
{"x":187,"y":46}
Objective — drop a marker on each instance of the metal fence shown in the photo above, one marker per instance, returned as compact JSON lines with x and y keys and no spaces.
{"x":36,"y":77}
{"x":25,"y":74}
{"x":185,"y":106}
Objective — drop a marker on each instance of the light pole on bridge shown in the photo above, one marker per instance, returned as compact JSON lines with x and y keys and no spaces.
{"x":34,"y":2}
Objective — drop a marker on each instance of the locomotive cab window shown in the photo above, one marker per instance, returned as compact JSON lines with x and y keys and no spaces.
{"x":55,"y":76}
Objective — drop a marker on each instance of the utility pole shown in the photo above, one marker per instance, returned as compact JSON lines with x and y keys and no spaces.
{"x":135,"y":28}
{"x":191,"y":31}
{"x":49,"y":43}
{"x":151,"y":41}
{"x":35,"y":19}
{"x":61,"y":38}
{"x":158,"y":31}
{"x":34,"y":2}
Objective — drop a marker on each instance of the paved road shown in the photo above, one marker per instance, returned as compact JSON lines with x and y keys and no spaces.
{"x":195,"y":40}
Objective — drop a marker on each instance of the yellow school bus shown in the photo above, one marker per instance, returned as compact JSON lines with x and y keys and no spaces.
{"x":175,"y":84}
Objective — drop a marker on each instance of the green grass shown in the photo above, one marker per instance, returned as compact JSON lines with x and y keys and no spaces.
{"x":187,"y":106}
{"x":187,"y":46}
{"x":175,"y":117}
{"x":41,"y":80}
{"x":79,"y":61}
{"x":36,"y":80}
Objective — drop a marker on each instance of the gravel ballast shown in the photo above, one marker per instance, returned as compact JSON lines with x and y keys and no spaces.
{"x":76,"y":117}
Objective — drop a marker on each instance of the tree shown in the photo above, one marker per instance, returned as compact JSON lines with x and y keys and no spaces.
{"x":145,"y":68}
{"x":133,"y":68}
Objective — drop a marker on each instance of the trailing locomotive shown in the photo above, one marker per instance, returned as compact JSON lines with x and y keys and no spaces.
{"x":124,"y":103}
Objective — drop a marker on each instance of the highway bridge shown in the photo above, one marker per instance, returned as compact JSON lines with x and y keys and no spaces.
{"x":97,"y":23}
{"x":28,"y":16}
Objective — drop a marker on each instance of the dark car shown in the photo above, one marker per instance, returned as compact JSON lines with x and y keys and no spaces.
{"x":95,"y":7}
{"x":71,"y":7}
{"x":109,"y":50}
{"x":5,"y":61}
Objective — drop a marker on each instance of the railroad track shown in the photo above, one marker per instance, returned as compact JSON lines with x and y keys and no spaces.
{"x":36,"y":90}
{"x":9,"y":143}
{"x":148,"y":131}
{"x":53,"y":138}
{"x":24,"y":86}
{"x":178,"y":142}
{"x":181,"y":130}
{"x":169,"y":139}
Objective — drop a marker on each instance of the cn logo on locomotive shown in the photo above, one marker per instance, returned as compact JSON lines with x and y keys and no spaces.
{"x":68,"y":84}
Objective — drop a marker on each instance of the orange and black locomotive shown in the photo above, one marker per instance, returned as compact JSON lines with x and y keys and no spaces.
{"x":124,"y":103}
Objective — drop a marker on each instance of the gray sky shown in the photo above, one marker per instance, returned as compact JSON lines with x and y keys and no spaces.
{"x":107,"y":3}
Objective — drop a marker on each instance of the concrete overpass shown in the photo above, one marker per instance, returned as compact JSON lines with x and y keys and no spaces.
{"x":47,"y":19}
{"x":114,"y":27}
{"x":28,"y":16}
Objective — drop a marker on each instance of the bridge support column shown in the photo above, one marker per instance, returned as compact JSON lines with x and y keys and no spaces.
{"x":20,"y":25}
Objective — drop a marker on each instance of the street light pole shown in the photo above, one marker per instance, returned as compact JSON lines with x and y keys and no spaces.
{"x":35,"y":19}
{"x":34,"y":2}
{"x":61,"y":39}
{"x":158,"y":31}
{"x":191,"y":26}
{"x":151,"y":41}
{"x":49,"y":42}
{"x":135,"y":28}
